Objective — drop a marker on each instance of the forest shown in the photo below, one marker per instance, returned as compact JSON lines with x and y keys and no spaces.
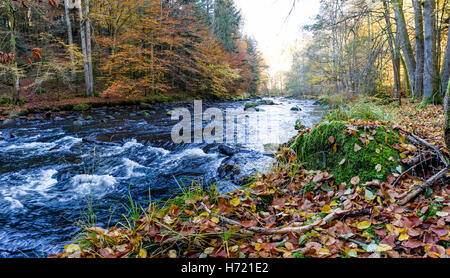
{"x":125,"y":49}
{"x":345,"y":154}
{"x":372,"y":47}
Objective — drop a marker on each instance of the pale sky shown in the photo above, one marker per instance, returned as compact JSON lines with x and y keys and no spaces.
{"x":266,"y":21}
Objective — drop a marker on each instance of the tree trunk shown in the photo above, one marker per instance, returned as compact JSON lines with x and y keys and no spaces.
{"x":70,"y":37}
{"x":447,"y":117}
{"x":420,"y":55}
{"x":393,"y":47}
{"x":83,"y":49}
{"x":405,"y":42}
{"x":88,"y":47}
{"x":446,"y":67}
{"x":431,"y":78}
{"x":15,"y":71}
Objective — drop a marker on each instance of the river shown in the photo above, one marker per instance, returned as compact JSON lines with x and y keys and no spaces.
{"x":50,"y":177}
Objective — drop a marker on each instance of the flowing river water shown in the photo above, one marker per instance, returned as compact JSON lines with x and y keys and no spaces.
{"x":51,"y":176}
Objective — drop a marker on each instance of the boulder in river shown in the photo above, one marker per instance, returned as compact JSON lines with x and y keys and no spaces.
{"x":254,"y":105}
{"x":227,"y":150}
{"x":8,"y":121}
{"x":228,"y":171}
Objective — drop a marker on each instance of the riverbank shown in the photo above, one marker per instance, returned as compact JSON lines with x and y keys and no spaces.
{"x":29,"y":106}
{"x":298,"y":211}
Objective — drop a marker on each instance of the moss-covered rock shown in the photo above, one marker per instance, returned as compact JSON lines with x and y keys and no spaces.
{"x":250,"y":105}
{"x":254,"y":105}
{"x":81,"y":107}
{"x":349,"y":151}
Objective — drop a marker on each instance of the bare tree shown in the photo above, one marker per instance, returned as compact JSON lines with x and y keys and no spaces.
{"x":420,"y":55}
{"x":447,"y":117}
{"x":405,"y":41}
{"x":395,"y":55}
{"x":69,"y":35}
{"x":12,"y":14}
{"x":446,"y":67}
{"x":431,"y":78}
{"x":88,"y":47}
{"x":87,"y":75}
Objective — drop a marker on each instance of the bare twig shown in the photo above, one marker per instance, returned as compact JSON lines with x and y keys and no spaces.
{"x":265,"y":231}
{"x":410,"y":169}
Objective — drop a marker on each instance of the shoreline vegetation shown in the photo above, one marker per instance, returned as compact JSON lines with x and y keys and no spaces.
{"x":398,"y":208}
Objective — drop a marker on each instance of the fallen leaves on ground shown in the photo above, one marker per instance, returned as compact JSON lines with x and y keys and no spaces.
{"x":292,"y":197}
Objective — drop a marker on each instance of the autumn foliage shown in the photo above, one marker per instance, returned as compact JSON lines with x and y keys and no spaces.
{"x":166,"y":47}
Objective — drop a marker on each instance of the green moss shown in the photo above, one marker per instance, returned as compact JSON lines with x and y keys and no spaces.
{"x":254,"y":105}
{"x":250,"y":105}
{"x":324,"y":100}
{"x":5,"y":101}
{"x":434,"y":99}
{"x":154,"y":99}
{"x":316,"y":152}
{"x":81,"y":107}
{"x":22,"y":102}
{"x":361,"y":111}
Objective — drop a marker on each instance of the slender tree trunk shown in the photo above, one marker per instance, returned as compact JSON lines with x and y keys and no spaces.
{"x":15,"y":71}
{"x":439,"y":23}
{"x":430,"y":80}
{"x":420,"y":55}
{"x":405,"y":42}
{"x":447,"y":117}
{"x":83,"y":49}
{"x":446,"y":67}
{"x":88,"y":47}
{"x":393,"y":47}
{"x":69,"y":36}
{"x":153,"y":68}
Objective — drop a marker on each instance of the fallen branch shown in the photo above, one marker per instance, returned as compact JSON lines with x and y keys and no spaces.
{"x":413,"y":137}
{"x":415,"y":160}
{"x":416,"y":191}
{"x":265,"y":231}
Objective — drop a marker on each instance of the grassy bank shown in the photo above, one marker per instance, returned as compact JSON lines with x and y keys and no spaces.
{"x":349,"y":206}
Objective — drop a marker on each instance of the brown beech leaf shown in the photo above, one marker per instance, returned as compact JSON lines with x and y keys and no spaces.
{"x":331,"y":140}
{"x":355,"y":180}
